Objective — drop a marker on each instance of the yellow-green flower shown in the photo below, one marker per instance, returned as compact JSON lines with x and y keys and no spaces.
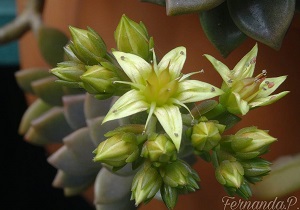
{"x":160,"y":89}
{"x":243,"y":91}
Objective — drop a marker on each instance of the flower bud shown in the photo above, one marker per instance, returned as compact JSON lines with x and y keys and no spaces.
{"x":250,"y":142}
{"x":159,"y":148}
{"x":98,"y":79}
{"x":132,"y":37}
{"x":169,"y":196}
{"x":230,"y":173}
{"x":69,"y":72}
{"x":87,"y":45}
{"x":145,"y":184}
{"x":256,"y":167}
{"x":118,"y":150}
{"x":206,"y":135}
{"x":179,"y":174}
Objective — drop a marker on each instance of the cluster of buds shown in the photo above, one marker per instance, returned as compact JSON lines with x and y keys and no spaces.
{"x":238,"y":159}
{"x":156,"y":131}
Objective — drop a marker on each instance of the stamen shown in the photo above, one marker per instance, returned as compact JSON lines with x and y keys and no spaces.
{"x":261,"y":76}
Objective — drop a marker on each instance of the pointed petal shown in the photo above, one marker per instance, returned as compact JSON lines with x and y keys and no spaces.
{"x":245,"y":67}
{"x":194,"y":90}
{"x":174,"y":60}
{"x":169,"y":117}
{"x":221,"y":68}
{"x":268,"y":100}
{"x":237,"y":105}
{"x":136,"y":68}
{"x":128,"y":104}
{"x":270,"y":85}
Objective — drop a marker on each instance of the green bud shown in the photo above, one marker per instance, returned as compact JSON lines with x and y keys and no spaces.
{"x":69,"y":72}
{"x":243,"y":191}
{"x":132,"y":37}
{"x":256,"y":167}
{"x":145,"y":184}
{"x":206,"y":135}
{"x":169,"y":196}
{"x":87,"y":45}
{"x":159,"y":148}
{"x":179,"y":174}
{"x":251,"y":142}
{"x":69,"y":54}
{"x":230,"y":173}
{"x":98,"y":79}
{"x":118,"y":150}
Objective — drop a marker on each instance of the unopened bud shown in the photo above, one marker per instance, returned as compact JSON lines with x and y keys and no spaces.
{"x":159,"y":148}
{"x":230,"y":173}
{"x":132,"y":37}
{"x":145,"y":184}
{"x":206,"y":135}
{"x":251,"y":142}
{"x":118,"y":150}
{"x":87,"y":45}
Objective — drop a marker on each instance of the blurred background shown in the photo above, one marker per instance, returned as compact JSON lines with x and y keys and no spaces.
{"x":28,"y":176}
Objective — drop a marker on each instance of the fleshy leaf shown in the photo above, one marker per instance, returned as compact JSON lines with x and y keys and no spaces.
{"x":25,"y":77}
{"x":265,"y":21}
{"x":50,"y":127}
{"x":51,"y":44}
{"x":48,"y":90}
{"x":73,"y":110}
{"x":221,"y":30}
{"x":178,"y":7}
{"x":128,"y":104}
{"x":170,"y":119}
{"x":36,"y":109}
{"x":110,"y":188}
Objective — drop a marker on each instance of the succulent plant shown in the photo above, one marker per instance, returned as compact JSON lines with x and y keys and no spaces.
{"x":227,"y":23}
{"x":128,"y":124}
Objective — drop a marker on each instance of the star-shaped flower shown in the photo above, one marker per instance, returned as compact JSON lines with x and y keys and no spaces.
{"x":160,"y":89}
{"x":243,"y":91}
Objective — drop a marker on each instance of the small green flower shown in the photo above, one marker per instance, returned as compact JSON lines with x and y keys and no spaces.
{"x":243,"y":91}
{"x":98,"y":79}
{"x":230,"y":173}
{"x":160,"y":89}
{"x":146,"y":183}
{"x":87,"y":45}
{"x":132,"y":37}
{"x":118,"y":150}
{"x":69,"y":73}
{"x":159,"y":148}
{"x":206,"y":135}
{"x":179,"y":174}
{"x":250,"y":142}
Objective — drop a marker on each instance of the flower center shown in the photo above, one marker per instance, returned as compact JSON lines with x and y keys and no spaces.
{"x":248,"y":87}
{"x":160,"y":88}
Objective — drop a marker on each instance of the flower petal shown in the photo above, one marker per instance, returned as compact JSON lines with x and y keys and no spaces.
{"x":169,"y":117}
{"x":174,"y":60}
{"x":136,"y":68}
{"x":268,"y":100}
{"x":128,"y":104}
{"x":270,"y":85}
{"x":221,"y":68}
{"x":237,"y":105}
{"x":245,"y":67}
{"x":194,"y":90}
